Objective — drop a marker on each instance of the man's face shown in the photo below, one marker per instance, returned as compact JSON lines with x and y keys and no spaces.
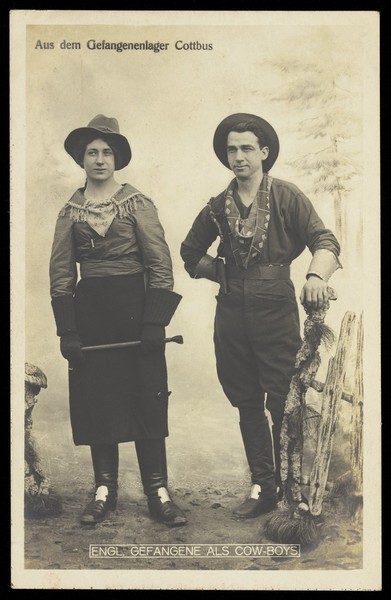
{"x":99,"y":160}
{"x":244,"y":154}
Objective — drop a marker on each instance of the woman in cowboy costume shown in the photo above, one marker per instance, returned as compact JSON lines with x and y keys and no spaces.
{"x":125,"y":293}
{"x":263,"y":224}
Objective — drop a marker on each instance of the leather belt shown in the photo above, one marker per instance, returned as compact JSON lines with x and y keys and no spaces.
{"x":259,"y":272}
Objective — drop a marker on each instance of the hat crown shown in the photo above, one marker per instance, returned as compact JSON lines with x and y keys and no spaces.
{"x":104,"y":124}
{"x":109,"y":128}
{"x":227,"y":124}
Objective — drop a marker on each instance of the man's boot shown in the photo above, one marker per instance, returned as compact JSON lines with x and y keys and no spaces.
{"x":151,"y":455}
{"x":258,"y":446}
{"x":276,"y":405}
{"x":105,"y":463}
{"x":276,"y":433}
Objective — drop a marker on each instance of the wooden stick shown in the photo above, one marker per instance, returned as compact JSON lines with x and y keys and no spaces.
{"x":332,"y":394}
{"x":319,"y":387}
{"x":305,"y":480}
{"x":356,"y":434}
{"x":178,"y":339}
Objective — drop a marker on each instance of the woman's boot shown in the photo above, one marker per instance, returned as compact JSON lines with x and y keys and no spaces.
{"x":257,"y":442}
{"x":105,"y":463}
{"x":151,"y":455}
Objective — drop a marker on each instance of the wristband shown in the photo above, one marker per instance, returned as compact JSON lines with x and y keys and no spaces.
{"x":315,"y":274}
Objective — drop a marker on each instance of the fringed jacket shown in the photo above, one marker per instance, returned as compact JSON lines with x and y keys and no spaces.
{"x":129,"y":239}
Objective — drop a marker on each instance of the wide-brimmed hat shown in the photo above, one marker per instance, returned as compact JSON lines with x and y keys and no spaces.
{"x":106,"y":128}
{"x":226,"y":125}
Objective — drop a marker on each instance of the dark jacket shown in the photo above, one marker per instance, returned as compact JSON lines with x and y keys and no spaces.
{"x":294,"y":224}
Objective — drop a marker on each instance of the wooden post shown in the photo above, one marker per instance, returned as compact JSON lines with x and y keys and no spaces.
{"x":332,"y":395}
{"x":357,"y":422}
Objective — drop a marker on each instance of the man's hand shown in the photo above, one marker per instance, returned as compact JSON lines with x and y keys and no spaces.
{"x":315,"y":292}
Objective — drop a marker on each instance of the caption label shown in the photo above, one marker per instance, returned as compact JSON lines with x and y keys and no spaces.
{"x":193,"y":550}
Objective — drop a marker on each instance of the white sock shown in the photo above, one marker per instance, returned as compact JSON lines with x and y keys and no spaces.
{"x":101,"y":493}
{"x":163,"y":494}
{"x":255,"y":491}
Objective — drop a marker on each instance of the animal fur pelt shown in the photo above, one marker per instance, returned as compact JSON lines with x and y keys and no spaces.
{"x":297,"y":413}
{"x":292,"y":526}
{"x":294,"y":522}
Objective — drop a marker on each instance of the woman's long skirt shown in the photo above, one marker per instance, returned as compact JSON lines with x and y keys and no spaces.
{"x":117,"y":395}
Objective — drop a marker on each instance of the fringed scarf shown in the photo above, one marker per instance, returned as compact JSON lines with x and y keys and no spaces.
{"x":100,"y":215}
{"x":253,"y":228}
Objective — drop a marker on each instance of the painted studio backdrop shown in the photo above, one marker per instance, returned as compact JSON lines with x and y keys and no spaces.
{"x":308,"y":82}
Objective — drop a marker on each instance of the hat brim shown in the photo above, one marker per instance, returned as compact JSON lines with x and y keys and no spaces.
{"x":123,"y":150}
{"x":226,"y":125}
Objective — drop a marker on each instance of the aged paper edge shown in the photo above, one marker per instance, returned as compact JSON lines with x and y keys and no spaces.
{"x":369,"y":577}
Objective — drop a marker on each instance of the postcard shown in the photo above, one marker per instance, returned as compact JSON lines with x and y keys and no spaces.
{"x":192,"y":176}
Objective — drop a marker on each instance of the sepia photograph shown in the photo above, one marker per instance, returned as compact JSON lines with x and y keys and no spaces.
{"x":195,"y":300}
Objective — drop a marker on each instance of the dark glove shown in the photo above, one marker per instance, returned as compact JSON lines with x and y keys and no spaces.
{"x":160,"y":305}
{"x":152,"y":337}
{"x":70,"y":346}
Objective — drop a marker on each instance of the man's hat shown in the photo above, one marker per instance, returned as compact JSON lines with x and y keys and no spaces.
{"x":106,"y":128}
{"x":223,"y":129}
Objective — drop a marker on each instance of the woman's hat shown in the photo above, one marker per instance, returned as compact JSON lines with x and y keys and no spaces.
{"x":223,"y":129}
{"x":106,"y":128}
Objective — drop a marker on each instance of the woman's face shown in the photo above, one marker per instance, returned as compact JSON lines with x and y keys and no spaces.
{"x":99,"y":161}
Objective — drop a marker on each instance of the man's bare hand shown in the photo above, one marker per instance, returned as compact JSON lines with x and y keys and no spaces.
{"x":315,"y":292}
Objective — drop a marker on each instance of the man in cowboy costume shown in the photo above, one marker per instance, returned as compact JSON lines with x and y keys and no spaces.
{"x":263,"y":224}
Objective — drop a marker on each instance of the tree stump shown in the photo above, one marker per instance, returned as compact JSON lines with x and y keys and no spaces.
{"x":39,"y":501}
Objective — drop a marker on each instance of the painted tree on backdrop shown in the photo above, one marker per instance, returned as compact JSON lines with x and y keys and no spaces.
{"x":326,"y":127}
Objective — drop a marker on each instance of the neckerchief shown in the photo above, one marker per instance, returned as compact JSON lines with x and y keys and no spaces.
{"x":253,"y":228}
{"x":100,"y":215}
